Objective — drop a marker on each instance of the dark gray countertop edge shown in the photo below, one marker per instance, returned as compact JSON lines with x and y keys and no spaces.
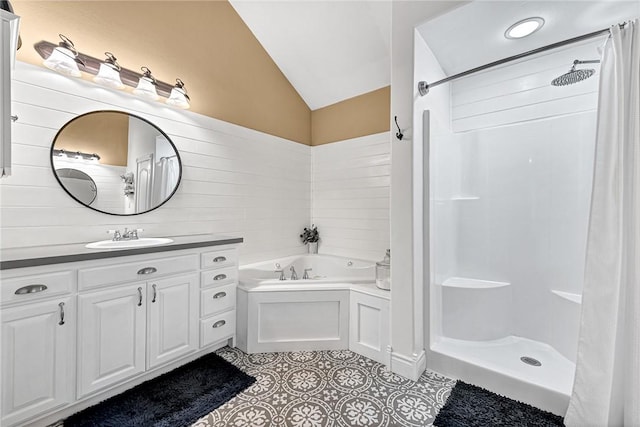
{"x":112,"y":253}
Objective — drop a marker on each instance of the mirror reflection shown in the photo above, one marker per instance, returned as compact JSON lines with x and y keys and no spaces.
{"x":116,"y":163}
{"x":78,"y":183}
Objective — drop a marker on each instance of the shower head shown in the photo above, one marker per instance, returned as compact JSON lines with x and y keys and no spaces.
{"x":575,"y":76}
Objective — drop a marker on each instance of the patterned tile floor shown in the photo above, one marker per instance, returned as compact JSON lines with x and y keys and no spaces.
{"x":327,"y":388}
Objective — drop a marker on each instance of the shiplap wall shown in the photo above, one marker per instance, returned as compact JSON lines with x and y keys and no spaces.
{"x":351,"y":196}
{"x":235,"y":181}
{"x":522,"y":91}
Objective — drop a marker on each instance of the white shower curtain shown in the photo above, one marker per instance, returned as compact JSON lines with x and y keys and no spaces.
{"x":606,"y":390}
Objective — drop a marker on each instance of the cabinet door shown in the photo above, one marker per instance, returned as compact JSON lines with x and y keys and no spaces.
{"x":37,"y":358}
{"x":369,"y":326}
{"x":172,"y":319}
{"x":111,"y":333}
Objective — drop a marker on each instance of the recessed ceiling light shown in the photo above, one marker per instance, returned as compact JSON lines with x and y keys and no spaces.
{"x":524,"y":28}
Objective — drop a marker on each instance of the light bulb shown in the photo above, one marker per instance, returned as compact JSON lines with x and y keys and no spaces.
{"x":146,"y":86}
{"x":178,"y":97}
{"x":109,"y":73}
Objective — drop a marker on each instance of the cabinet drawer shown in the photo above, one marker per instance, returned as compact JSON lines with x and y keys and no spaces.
{"x":219,"y":259}
{"x":27,"y":288}
{"x":217,"y":277}
{"x":217,"y":328}
{"x":140,"y":270}
{"x":215,"y":300}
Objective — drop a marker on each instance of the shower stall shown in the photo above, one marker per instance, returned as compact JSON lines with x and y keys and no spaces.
{"x":508,"y":157}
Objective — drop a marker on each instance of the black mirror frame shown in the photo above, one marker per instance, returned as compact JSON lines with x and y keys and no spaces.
{"x":53,"y":169}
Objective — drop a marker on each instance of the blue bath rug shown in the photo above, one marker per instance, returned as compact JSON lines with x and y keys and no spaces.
{"x":177,"y":398}
{"x":471,"y":406}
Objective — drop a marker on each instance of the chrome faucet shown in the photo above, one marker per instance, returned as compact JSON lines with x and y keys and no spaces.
{"x":294,"y":276}
{"x":305,"y":276}
{"x":282,"y":277}
{"x":116,"y":235}
{"x":126,"y":235}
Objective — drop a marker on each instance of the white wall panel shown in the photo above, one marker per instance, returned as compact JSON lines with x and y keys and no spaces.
{"x":522,"y":91}
{"x":351,"y":182}
{"x":235,"y":180}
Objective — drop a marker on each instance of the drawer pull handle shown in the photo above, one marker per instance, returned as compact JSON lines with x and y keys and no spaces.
{"x":155,"y":292}
{"x":220,"y":277}
{"x":139,"y":297}
{"x":220,"y":295}
{"x":31,"y":289}
{"x":61,"y":305}
{"x":219,"y":323}
{"x":147,"y":270}
{"x":220,"y":259}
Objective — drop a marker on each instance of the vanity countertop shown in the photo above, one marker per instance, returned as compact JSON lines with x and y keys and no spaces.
{"x":59,"y":254}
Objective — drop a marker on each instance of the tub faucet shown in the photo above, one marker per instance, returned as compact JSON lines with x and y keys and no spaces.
{"x":294,"y":276}
{"x":282,"y":277}
{"x":305,"y":276}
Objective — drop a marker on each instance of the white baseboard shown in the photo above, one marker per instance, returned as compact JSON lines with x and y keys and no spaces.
{"x":409,"y":366}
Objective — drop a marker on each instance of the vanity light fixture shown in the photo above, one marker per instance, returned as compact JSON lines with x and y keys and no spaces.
{"x":75,"y":154}
{"x":524,"y":28}
{"x":146,"y":85}
{"x":64,"y":58}
{"x":109,"y":73}
{"x":179,"y":97}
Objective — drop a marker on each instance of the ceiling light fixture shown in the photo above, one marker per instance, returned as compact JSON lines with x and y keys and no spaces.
{"x":146,"y":85}
{"x":109,"y":73}
{"x":64,"y":58}
{"x":524,"y":28}
{"x":179,"y":97}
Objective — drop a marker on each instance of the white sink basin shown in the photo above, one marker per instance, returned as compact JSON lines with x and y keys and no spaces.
{"x":128,"y":244}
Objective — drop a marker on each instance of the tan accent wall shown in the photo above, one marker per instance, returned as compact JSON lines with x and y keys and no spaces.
{"x":362,"y":115}
{"x":106,"y":134}
{"x":227,"y":72}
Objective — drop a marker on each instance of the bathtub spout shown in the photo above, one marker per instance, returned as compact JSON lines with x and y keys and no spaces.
{"x":294,"y":276}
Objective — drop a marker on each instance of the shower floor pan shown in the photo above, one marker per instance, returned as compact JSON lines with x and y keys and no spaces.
{"x":497,"y":366}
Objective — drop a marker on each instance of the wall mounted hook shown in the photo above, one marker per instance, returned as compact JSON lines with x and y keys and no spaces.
{"x":399,"y":134}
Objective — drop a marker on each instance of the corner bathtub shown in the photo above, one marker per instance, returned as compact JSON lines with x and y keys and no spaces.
{"x":309,"y":314}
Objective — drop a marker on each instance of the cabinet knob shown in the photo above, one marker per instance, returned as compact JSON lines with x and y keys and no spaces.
{"x":14,"y":118}
{"x":219,"y":323}
{"x":31,"y":289}
{"x":220,"y":295}
{"x":220,"y":277}
{"x":220,"y":259}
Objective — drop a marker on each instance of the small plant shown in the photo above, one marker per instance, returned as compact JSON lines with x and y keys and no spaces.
{"x":310,"y":235}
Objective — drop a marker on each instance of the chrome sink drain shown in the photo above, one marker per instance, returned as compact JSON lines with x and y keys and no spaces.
{"x":530,"y":361}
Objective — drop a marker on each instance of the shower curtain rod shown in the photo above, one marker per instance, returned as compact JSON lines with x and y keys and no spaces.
{"x":423,"y":87}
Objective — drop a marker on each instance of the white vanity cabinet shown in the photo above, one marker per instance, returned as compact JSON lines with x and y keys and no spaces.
{"x":126,"y":329}
{"x":77,"y":333}
{"x":218,"y":296}
{"x":129,"y":329}
{"x":38,"y":345}
{"x":112,"y":330}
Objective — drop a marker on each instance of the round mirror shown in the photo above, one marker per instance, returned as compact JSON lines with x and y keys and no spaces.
{"x":116,"y":163}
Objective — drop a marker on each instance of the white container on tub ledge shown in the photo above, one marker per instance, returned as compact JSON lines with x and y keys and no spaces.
{"x":474,"y":309}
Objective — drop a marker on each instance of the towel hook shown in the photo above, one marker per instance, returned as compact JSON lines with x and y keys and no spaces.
{"x":399,"y":134}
